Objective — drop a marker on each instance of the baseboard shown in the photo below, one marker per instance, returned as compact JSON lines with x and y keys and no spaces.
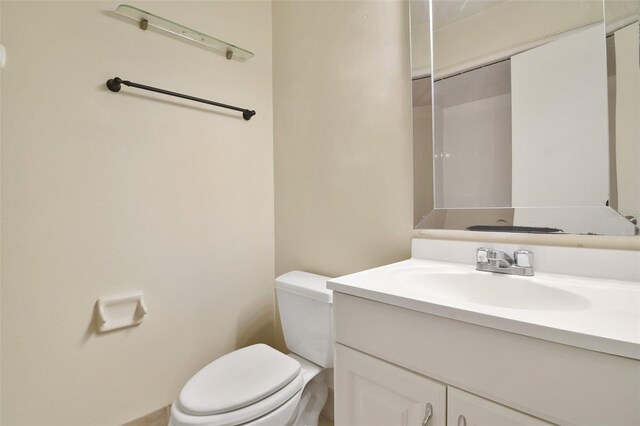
{"x":161,"y":416}
{"x":157,"y":418}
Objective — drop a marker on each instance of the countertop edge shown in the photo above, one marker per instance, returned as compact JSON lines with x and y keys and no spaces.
{"x":542,"y":332}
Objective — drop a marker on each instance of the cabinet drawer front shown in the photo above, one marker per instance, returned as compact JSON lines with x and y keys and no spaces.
{"x":373,"y":392}
{"x":558,"y":383}
{"x":478,"y":411}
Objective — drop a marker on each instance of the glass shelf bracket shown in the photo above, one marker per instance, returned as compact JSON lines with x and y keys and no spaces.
{"x":147,"y":19}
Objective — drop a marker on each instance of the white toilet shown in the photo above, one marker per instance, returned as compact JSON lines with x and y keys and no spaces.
{"x":258,"y":385}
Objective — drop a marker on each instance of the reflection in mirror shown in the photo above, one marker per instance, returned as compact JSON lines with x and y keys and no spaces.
{"x":522,"y":118}
{"x":422,"y":148}
{"x":422,"y":123}
{"x":623,"y":78}
{"x":473,"y":138}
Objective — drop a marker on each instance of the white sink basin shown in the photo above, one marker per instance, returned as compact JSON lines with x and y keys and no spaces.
{"x":486,"y":288}
{"x":587,"y":312}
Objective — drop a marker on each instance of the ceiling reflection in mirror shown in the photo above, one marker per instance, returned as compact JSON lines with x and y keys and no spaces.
{"x":526,"y":116}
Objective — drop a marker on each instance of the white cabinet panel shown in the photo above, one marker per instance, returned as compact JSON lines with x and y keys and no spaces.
{"x":465,"y":409}
{"x":373,"y":392}
{"x":561,"y":384}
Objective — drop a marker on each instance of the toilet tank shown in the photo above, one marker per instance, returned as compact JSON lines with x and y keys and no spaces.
{"x":305,"y":307}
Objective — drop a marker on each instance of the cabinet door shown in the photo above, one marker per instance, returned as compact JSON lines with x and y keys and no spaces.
{"x":372,"y":392}
{"x":465,"y":409}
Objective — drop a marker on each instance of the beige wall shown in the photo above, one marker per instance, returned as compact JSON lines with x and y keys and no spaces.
{"x":420,"y":50}
{"x":474,"y":40}
{"x":342,"y":135}
{"x":104,"y":193}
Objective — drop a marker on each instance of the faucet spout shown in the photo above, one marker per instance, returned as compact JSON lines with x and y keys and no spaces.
{"x":490,"y":260}
{"x":499,"y":259}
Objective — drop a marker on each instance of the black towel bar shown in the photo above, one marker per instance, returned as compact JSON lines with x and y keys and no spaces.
{"x":115,"y":84}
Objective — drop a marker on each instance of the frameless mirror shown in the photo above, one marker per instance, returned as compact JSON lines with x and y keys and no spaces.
{"x":526,"y":116}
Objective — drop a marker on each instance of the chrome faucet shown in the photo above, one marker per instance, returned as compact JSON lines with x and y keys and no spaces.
{"x":490,"y":260}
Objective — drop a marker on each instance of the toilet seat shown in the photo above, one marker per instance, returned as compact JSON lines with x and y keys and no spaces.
{"x":271,"y":404}
{"x":241,"y":386}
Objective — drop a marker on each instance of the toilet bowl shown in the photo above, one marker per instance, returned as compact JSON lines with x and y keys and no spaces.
{"x":260,"y":386}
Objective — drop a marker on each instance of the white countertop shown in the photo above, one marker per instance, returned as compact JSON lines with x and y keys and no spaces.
{"x":592,"y":313}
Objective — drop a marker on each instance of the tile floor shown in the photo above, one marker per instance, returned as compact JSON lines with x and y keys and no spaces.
{"x":161,"y":418}
{"x":324,"y":421}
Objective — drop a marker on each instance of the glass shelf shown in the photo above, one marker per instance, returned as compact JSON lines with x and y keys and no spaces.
{"x":149,"y":19}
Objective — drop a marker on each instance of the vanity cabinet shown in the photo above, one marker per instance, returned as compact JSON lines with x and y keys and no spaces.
{"x":465,"y":409}
{"x":391,"y":361}
{"x":374,"y":392}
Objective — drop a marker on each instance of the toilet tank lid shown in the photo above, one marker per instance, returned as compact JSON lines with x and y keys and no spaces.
{"x":305,"y":284}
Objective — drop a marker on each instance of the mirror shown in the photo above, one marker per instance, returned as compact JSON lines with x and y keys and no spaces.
{"x":526,"y":116}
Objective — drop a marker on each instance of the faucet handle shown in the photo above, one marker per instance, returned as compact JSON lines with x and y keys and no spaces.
{"x":523,"y":258}
{"x":482,"y":255}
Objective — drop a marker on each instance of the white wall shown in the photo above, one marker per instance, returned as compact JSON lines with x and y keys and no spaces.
{"x":627,"y":122}
{"x":473,"y":138}
{"x":104,"y":193}
{"x":438,"y":166}
{"x":477,"y":153}
{"x":422,"y":162}
{"x":559,"y":121}
{"x":422,"y":148}
{"x":342,"y":135}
